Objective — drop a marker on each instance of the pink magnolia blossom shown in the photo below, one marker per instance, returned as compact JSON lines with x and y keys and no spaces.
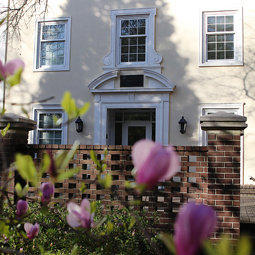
{"x":80,"y":216}
{"x":47,"y":190}
{"x":194,"y":224}
{"x":22,"y":207}
{"x":32,"y":230}
{"x":153,"y":162}
{"x":10,"y":68}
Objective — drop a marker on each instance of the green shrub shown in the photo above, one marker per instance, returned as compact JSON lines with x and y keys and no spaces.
{"x":121,"y":232}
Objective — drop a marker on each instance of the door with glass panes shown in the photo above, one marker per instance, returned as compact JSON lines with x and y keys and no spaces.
{"x":126,"y":126}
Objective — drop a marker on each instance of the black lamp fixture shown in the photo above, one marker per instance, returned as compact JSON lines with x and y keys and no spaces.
{"x":79,"y":125}
{"x":183,"y":125}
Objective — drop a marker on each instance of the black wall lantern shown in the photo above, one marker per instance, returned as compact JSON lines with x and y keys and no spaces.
{"x":183,"y":125}
{"x":79,"y":125}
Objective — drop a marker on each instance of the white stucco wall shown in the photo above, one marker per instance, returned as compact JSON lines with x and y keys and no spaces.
{"x":177,"y":40}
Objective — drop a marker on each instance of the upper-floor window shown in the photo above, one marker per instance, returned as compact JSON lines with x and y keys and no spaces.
{"x":52,"y":49}
{"x":132,"y":39}
{"x":221,"y":38}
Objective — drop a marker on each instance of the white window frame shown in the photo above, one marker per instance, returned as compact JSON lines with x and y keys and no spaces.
{"x":152,"y":58}
{"x":51,"y":108}
{"x":238,"y":37}
{"x":38,"y":40}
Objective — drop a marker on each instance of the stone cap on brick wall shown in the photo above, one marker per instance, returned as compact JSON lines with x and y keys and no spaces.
{"x":223,"y":121}
{"x":17,"y":122}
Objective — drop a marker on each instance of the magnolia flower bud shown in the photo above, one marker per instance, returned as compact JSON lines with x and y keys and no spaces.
{"x":153,"y":162}
{"x":194,"y":224}
{"x":80,"y":216}
{"x":22,"y":207}
{"x":47,"y":190}
{"x":32,"y":230}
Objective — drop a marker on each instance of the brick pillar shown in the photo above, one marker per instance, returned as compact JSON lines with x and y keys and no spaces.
{"x":13,"y":142}
{"x":224,"y":131}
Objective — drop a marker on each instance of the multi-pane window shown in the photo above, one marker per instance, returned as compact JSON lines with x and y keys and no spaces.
{"x":51,"y":125}
{"x":221,"y":38}
{"x":133,"y":40}
{"x":53,"y":45}
{"x":49,"y":128}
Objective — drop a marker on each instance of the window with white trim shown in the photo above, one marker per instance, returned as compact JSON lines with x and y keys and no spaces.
{"x":52,"y":49}
{"x":132,"y":39}
{"x":51,"y":126}
{"x":221,"y":38}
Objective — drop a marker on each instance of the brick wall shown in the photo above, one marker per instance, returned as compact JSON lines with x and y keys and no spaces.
{"x":207,"y":175}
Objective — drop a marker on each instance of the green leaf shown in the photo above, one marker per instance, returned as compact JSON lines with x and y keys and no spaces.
{"x":109,"y":227}
{"x":66,"y":174}
{"x":94,"y":159}
{"x":224,"y":246}
{"x":93,"y":207}
{"x":69,"y":105}
{"x":45,"y":164}
{"x":16,"y":78}
{"x":132,"y":222}
{"x":168,"y":241}
{"x":4,"y":131}
{"x":83,"y":188}
{"x":70,"y":154}
{"x":108,"y":181}
{"x":21,"y":192}
{"x":59,"y":158}
{"x":2,"y":21}
{"x":26,"y":167}
{"x":245,"y":246}
{"x":75,"y":250}
{"x":84,"y":109}
{"x":134,"y":202}
{"x":209,"y":248}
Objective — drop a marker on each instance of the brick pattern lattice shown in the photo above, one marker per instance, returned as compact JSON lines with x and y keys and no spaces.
{"x":207,"y":175}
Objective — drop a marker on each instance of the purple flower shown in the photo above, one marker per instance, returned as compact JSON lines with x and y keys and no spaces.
{"x":32,"y":230}
{"x":153,"y":162}
{"x":22,"y":207}
{"x":194,"y":224}
{"x":47,"y":190}
{"x":10,"y":68}
{"x":80,"y":216}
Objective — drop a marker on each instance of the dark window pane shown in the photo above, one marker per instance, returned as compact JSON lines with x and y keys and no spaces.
{"x":220,"y":38}
{"x":220,"y":46}
{"x":124,"y":23}
{"x":229,"y":38}
{"x":220,"y":19}
{"x":220,"y":27}
{"x":211,"y":28}
{"x":124,"y":41}
{"x":229,"y":19}
{"x":211,"y":46}
{"x":124,"y":49}
{"x":230,"y":55}
{"x":133,"y":23}
{"x":211,"y":20}
{"x":141,"y":57}
{"x":230,"y":46}
{"x":133,"y":41}
{"x":220,"y":55}
{"x":229,"y":27}
{"x":141,"y":30}
{"x":133,"y":58}
{"x":141,"y":40}
{"x":135,"y":134}
{"x":211,"y":38}
{"x":131,"y":81}
{"x":133,"y":49}
{"x":211,"y":55}
{"x":118,"y":133}
{"x":124,"y":58}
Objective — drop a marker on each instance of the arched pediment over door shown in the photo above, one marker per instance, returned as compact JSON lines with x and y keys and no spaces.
{"x":131,"y":91}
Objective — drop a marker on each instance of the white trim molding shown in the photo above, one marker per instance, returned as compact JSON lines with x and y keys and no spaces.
{"x":152,"y":59}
